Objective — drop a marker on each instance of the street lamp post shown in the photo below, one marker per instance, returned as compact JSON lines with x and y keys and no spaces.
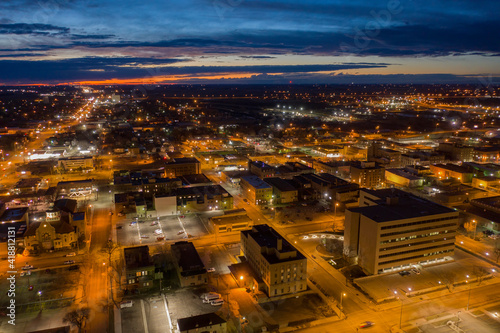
{"x":341,"y":298}
{"x":401,"y":309}
{"x":475,"y":228}
{"x":468,"y":298}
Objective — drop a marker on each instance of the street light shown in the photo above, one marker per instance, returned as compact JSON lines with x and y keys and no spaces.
{"x":401,"y":310}
{"x":468,"y":298}
{"x":342,"y":295}
{"x":475,"y":228}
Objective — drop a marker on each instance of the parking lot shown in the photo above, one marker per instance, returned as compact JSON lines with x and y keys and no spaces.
{"x":152,"y":230}
{"x":150,"y":314}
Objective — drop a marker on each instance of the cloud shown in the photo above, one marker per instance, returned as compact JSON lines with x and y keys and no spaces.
{"x":101,"y":68}
{"x":33,"y":29}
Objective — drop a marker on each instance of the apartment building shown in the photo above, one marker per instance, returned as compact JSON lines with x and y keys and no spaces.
{"x":190,"y":269}
{"x":256,"y":190}
{"x":367,"y":174}
{"x":393,"y":230}
{"x":280,"y":266}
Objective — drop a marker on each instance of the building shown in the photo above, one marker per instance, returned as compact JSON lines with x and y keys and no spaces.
{"x":203,"y":198}
{"x":402,"y":178}
{"x":486,"y":183}
{"x":367,"y":174}
{"x":280,"y":266}
{"x":338,"y":168}
{"x":261,"y":169}
{"x":393,"y":230}
{"x":484,"y":169}
{"x":283,"y":191}
{"x":487,"y":154}
{"x":27,"y":186}
{"x":445,"y":171}
{"x":182,"y":166}
{"x":457,"y":152}
{"x":165,"y":205}
{"x":256,"y":190}
{"x":232,"y":221}
{"x":46,"y":236}
{"x":75,"y":163}
{"x":190,"y":269}
{"x":77,"y":189}
{"x":209,"y":323}
{"x":139,"y":268}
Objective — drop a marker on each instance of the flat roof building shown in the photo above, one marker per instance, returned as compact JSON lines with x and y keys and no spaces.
{"x":280,"y":266}
{"x":256,"y":190}
{"x":392,"y":230}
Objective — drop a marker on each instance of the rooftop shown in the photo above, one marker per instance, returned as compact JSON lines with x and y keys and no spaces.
{"x":406,"y":206}
{"x":200,"y":321}
{"x":188,"y":259}
{"x":268,"y":238}
{"x":256,"y":182}
{"x":137,"y":257}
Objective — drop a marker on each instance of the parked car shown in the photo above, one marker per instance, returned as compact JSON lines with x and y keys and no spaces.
{"x":74,"y":267}
{"x":211,"y":270}
{"x":69,"y":262}
{"x":72,"y":254}
{"x":404,"y":273}
{"x":180,"y":232}
{"x":416,"y":271}
{"x":126,"y":304}
{"x":26,"y":267}
{"x":157,"y":231}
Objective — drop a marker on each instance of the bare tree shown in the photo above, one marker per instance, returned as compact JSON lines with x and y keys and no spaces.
{"x":479,"y":272}
{"x":77,"y":317}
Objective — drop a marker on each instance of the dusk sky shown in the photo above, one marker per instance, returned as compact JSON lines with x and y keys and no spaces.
{"x":248,"y":41}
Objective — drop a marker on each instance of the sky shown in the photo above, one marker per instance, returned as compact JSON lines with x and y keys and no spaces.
{"x":249,"y":41}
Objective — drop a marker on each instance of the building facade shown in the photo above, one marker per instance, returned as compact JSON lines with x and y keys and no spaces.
{"x":280,"y":266}
{"x":393,"y":230}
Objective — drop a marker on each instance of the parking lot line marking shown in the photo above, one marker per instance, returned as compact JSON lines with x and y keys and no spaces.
{"x":138,"y":231}
{"x":182,"y":226}
{"x":167,"y":312}
{"x":144,"y":317}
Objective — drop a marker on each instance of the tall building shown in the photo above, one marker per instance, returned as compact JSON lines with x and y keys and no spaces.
{"x":392,"y":230}
{"x":367,"y":174}
{"x":280,"y":266}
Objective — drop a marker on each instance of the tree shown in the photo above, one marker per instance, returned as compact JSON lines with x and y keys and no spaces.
{"x":77,"y":317}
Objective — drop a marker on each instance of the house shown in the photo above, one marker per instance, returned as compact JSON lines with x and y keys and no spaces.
{"x":190,"y":269}
{"x":139,"y":268}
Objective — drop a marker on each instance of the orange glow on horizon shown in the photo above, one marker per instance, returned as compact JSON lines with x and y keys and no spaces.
{"x":171,"y":79}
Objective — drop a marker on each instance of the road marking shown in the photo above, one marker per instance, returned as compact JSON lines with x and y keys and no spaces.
{"x":167,"y":312}
{"x":182,"y":226}
{"x":144,"y":321}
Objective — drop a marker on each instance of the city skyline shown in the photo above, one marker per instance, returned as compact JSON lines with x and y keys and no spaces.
{"x":239,"y":42}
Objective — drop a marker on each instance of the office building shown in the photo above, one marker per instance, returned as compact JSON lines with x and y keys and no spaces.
{"x":393,"y":230}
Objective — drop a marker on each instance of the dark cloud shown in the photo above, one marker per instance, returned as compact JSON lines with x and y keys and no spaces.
{"x":129,"y":68}
{"x":34,"y":29}
{"x":257,"y":57}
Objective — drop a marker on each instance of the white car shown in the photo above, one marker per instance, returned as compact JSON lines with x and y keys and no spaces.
{"x":72,"y":254}
{"x":126,"y":304}
{"x":210,"y":270}
{"x":158,"y":232}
